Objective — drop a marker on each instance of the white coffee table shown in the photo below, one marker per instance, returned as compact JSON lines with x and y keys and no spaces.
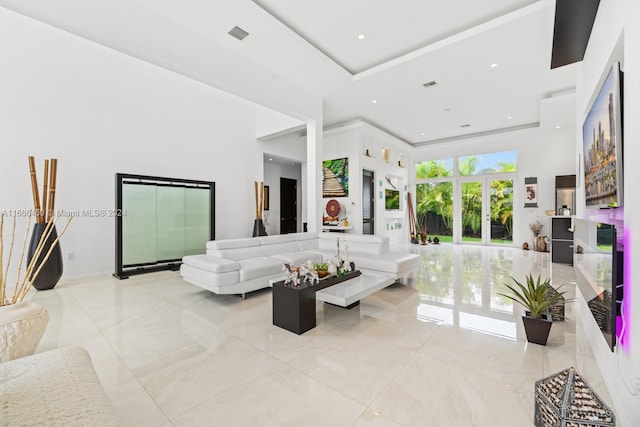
{"x":349,"y":293}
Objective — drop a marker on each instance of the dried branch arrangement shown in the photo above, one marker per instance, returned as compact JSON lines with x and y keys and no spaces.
{"x":44,"y":213}
{"x":32,"y":270}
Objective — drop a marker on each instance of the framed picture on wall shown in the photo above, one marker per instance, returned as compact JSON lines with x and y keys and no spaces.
{"x":531,"y":192}
{"x":335,"y":178}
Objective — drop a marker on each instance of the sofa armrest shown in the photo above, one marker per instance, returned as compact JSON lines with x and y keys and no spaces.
{"x":211,"y":263}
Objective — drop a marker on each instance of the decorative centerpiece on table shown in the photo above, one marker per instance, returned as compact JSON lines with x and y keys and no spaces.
{"x":322,"y":269}
{"x":306,"y":273}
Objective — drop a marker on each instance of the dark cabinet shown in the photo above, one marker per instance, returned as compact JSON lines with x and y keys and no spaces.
{"x":561,"y":240}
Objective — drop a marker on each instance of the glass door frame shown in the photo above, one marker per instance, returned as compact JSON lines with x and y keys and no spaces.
{"x":485,"y":181}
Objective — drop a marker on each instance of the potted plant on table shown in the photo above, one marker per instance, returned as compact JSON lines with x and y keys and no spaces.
{"x":537,"y":299}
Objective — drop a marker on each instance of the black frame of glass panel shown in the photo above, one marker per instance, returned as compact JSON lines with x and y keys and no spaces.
{"x":122,"y":271}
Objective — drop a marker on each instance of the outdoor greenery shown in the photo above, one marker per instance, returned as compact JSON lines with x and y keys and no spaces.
{"x":435,"y":199}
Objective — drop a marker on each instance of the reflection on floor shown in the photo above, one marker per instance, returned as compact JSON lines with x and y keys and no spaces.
{"x":445,"y":351}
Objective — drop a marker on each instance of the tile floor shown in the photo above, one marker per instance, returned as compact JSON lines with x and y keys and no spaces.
{"x":444,"y":351}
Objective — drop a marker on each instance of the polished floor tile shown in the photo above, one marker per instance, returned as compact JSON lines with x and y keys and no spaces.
{"x":444,"y":351}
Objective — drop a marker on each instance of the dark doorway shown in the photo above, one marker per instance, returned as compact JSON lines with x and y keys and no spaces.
{"x":288,"y":205}
{"x":368,"y":202}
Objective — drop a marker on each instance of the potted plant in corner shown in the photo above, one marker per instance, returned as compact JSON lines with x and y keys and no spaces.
{"x":537,"y":300}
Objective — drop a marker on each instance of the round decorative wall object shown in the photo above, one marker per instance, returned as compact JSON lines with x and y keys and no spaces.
{"x":333,"y":207}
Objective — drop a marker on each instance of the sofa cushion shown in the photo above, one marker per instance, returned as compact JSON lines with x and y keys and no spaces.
{"x":233,"y":243}
{"x":211,"y":263}
{"x":279,"y":248}
{"x":368,"y":244}
{"x":304,"y":236}
{"x":207,"y":279}
{"x":238,"y":254}
{"x":259,"y":267}
{"x":277,"y":238}
{"x":298,"y":258}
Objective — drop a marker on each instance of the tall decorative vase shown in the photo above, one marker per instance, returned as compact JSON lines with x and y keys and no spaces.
{"x":258,"y":228}
{"x":52,"y":270}
{"x":21,"y":328}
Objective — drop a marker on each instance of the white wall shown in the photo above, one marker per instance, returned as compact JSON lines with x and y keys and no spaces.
{"x":101,"y":112}
{"x":272,"y":174}
{"x":540,"y":153}
{"x":616,"y":37}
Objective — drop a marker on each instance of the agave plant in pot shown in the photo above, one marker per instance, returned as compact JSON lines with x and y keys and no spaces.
{"x":537,"y":299}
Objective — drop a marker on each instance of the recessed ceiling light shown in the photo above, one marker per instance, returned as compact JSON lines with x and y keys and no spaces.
{"x":558,"y":127}
{"x":509,"y":117}
{"x":421,"y":133}
{"x":270,"y":159}
{"x":466,"y":125}
{"x":374,"y":101}
{"x":494,"y":65}
{"x":361,"y":37}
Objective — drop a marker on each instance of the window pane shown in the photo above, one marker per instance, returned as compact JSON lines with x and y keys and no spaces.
{"x":471,"y":211}
{"x":139,"y":225}
{"x":434,"y":168}
{"x":504,"y":161}
{"x":434,"y":209}
{"x":502,"y":211}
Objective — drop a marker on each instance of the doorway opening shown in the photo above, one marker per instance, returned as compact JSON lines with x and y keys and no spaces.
{"x":368,"y":202}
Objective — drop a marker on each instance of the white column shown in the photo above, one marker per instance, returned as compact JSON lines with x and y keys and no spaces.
{"x":314,"y":175}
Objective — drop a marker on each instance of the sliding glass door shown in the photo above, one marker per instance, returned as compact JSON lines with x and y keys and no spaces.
{"x":486,"y":211}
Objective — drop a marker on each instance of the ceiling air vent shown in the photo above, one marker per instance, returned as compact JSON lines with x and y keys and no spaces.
{"x":429,"y":84}
{"x":238,"y":33}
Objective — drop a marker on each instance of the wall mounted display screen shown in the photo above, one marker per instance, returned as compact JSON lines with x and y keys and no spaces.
{"x":163,"y":219}
{"x":602,"y":144}
{"x":599,"y":273}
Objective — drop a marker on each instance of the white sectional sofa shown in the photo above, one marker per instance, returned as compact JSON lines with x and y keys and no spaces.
{"x":238,"y":266}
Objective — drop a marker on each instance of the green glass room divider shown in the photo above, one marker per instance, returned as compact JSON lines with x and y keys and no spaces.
{"x":161,"y":220}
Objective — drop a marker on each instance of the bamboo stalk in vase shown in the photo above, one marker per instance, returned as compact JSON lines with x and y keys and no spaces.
{"x":44,"y":261}
{"x":24,"y":250}
{"x":45,"y":190}
{"x":52,"y":187}
{"x":44,"y":237}
{"x":261,"y":204}
{"x":34,"y":189}
{"x":31,"y":266}
{"x":255,"y":187}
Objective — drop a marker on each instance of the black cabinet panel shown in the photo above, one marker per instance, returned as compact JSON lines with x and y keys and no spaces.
{"x":562,"y":251}
{"x":560,"y":229}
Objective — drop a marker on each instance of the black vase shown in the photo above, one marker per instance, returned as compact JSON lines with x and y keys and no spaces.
{"x":258,"y":228}
{"x":52,"y":270}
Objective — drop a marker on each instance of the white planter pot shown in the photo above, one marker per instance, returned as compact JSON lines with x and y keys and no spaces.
{"x":21,"y":328}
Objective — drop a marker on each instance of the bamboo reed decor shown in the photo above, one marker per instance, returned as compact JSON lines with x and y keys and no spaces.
{"x":259,"y":190}
{"x":33,"y":268}
{"x":44,"y":210}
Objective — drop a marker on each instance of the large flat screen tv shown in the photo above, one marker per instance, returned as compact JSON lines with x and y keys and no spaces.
{"x":602,"y":144}
{"x":598,"y":267}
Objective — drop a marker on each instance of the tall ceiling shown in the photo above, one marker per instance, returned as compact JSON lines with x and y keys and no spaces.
{"x":490,"y":59}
